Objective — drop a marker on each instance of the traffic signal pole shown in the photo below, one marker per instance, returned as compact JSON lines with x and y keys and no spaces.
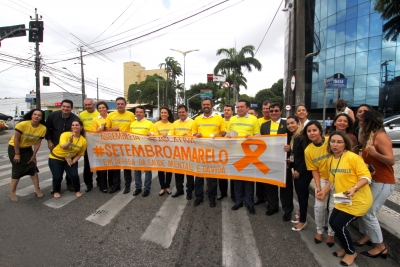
{"x":37,"y":67}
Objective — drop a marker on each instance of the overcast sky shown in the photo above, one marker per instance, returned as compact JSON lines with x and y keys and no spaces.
{"x":149,"y":29}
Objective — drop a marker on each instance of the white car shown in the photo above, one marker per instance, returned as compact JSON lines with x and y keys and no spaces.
{"x":392,"y":128}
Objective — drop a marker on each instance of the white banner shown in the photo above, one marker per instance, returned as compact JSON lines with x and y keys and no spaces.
{"x":260,"y":158}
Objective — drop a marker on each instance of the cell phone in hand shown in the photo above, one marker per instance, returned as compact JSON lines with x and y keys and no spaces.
{"x":371,"y":168}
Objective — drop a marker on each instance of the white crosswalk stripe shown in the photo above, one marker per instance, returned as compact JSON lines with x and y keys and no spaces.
{"x":65,"y":199}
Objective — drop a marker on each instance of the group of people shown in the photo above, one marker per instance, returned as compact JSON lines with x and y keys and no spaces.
{"x":332,"y":160}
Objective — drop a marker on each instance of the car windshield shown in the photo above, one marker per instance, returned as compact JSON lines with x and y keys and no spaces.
{"x":390,"y":118}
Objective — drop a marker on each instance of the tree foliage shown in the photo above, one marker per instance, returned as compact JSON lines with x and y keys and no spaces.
{"x":173,"y":70}
{"x":273,"y":94}
{"x":390,"y":12}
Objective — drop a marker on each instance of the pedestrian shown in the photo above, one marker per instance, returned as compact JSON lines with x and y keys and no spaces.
{"x":65,"y":156}
{"x":302,"y":113}
{"x":28,"y":133}
{"x":349,"y":176}
{"x":243,"y":125}
{"x":344,"y":123}
{"x":143,"y":127}
{"x":341,"y":107}
{"x":377,"y":152}
{"x":87,"y":117}
{"x":328,"y":124}
{"x":253,"y":111}
{"x":360,"y":111}
{"x":207,"y":125}
{"x":163,"y":127}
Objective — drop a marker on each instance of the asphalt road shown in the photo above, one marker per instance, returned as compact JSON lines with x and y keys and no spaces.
{"x":121,"y":230}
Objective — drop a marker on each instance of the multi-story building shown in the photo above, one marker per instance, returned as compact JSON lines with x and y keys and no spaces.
{"x":325,"y":37}
{"x":134,"y":73}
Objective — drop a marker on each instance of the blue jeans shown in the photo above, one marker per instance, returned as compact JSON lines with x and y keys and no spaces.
{"x":57,"y":168}
{"x":369,"y":223}
{"x":147,"y":180}
{"x":244,"y":189}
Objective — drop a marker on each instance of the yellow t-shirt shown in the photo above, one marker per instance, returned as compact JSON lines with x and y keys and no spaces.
{"x":123,"y":121}
{"x":345,"y":173}
{"x":244,"y":125}
{"x":87,"y":119}
{"x":208,"y":125}
{"x":316,"y":158}
{"x":29,"y":134}
{"x":162,"y":128}
{"x":97,"y":122}
{"x":262,"y":120}
{"x":182,"y":127}
{"x":274,"y":128}
{"x":142,"y":127}
{"x":227,"y":123}
{"x":77,"y":147}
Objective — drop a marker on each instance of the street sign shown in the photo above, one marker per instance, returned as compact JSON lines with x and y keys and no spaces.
{"x":288,"y":107}
{"x":332,"y":82}
{"x":206,"y":95}
{"x":226,"y":84}
{"x":6,"y":30}
{"x":219,"y":78}
{"x":205,"y":91}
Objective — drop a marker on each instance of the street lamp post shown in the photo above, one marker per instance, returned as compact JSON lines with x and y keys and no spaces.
{"x":158,"y":96}
{"x":184,"y":69}
{"x":189,"y":99}
{"x":83,"y":86}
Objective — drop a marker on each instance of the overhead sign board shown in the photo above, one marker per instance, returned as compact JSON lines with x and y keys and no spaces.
{"x":15,"y":29}
{"x":332,"y":82}
{"x":205,"y":91}
{"x":219,"y":78}
{"x":206,"y":95}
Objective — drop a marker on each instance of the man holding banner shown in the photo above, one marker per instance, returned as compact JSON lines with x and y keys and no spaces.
{"x":243,"y":125}
{"x":208,"y":125}
{"x":223,"y":183}
{"x":120,"y":120}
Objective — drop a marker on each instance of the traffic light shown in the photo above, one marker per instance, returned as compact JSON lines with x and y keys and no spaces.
{"x":36,"y":35}
{"x":210,"y":78}
{"x":46,"y":81}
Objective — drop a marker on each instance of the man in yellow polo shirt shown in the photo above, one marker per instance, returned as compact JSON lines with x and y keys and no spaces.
{"x":208,"y":125}
{"x":86,"y":117}
{"x":275,"y":126}
{"x":244,"y":125}
{"x":142,"y":126}
{"x":120,"y":120}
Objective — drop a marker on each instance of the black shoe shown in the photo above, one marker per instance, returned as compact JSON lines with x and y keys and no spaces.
{"x":70,"y":187}
{"x":114,"y":189}
{"x":380,"y":254}
{"x":198,"y":201}
{"x":146,"y":193}
{"x":89,"y":188}
{"x":212,"y":202}
{"x":271,"y":212}
{"x":137,"y":192}
{"x":259,"y":202}
{"x":237,"y":206}
{"x":357,"y":244}
{"x":177,"y":194}
{"x":188,"y":196}
{"x":252,"y":210}
{"x":287,"y":217}
{"x":221,"y":197}
{"x":127,"y":190}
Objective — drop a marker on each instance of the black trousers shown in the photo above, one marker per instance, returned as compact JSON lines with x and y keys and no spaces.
{"x":339,"y":221}
{"x":105,"y":178}
{"x":199,"y":187}
{"x":301,"y":186}
{"x":244,"y":190}
{"x":87,"y":174}
{"x":286,"y":194}
{"x":261,"y":191}
{"x":179,"y":179}
{"x":165,"y":179}
{"x":223,"y":187}
{"x":117,"y":178}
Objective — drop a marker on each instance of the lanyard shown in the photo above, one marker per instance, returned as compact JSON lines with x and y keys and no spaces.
{"x":330,"y":168}
{"x":70,"y":146}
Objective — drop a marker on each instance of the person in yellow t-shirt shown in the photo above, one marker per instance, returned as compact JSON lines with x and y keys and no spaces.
{"x":87,"y":116}
{"x":243,"y":125}
{"x":349,"y":175}
{"x":99,"y":123}
{"x":120,"y":120}
{"x":183,"y":127}
{"x":28,"y":133}
{"x":223,"y":183}
{"x":164,"y":127}
{"x":316,"y":155}
{"x":207,"y":125}
{"x":142,"y":126}
{"x":65,"y":156}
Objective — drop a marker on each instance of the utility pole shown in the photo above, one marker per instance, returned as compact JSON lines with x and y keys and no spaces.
{"x":97,"y":85}
{"x":83,"y":79}
{"x":37,"y":66}
{"x":300,"y":49}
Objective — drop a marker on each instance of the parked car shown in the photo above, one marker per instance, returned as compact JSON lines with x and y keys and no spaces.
{"x":5,"y":117}
{"x":392,"y":127}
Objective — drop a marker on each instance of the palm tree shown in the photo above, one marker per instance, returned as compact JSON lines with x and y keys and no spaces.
{"x":390,"y":11}
{"x":173,"y":70}
{"x":234,"y":62}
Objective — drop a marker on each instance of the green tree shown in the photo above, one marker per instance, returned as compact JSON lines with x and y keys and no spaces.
{"x":194,"y":91}
{"x":173,"y":70}
{"x":273,"y":94}
{"x":233,"y":64}
{"x":390,"y":12}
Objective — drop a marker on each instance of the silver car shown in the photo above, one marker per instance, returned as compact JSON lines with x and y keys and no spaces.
{"x":392,"y":127}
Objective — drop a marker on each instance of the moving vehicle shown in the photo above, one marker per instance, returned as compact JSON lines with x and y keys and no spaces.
{"x":392,"y":128}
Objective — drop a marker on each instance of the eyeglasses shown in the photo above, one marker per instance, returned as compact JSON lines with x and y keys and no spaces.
{"x":274,"y":111}
{"x":337,"y":142}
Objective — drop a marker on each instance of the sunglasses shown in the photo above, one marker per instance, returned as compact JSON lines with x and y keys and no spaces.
{"x":274,"y":111}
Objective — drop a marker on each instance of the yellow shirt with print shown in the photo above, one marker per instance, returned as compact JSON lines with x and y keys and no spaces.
{"x":317,"y":157}
{"x":208,"y":125}
{"x":142,"y":127}
{"x":244,"y":125}
{"x":273,"y":130}
{"x":77,"y":147}
{"x":87,"y":119}
{"x":29,"y":134}
{"x":345,"y":173}
{"x":123,"y":121}
{"x":97,"y":122}
{"x":182,"y":127}
{"x":227,"y":123}
{"x":161,"y":128}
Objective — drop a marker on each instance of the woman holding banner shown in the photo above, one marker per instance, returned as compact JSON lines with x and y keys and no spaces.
{"x":99,"y":125}
{"x":163,"y":127}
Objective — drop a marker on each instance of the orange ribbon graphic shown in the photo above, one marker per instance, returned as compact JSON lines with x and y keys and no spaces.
{"x":252,"y":156}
